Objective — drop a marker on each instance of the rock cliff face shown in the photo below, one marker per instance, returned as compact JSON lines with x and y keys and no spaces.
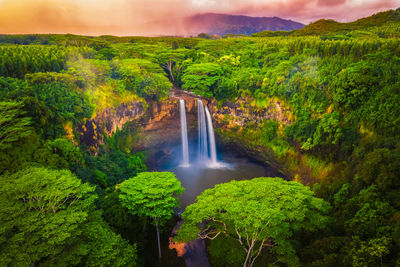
{"x":242,"y":112}
{"x":234,"y":116}
{"x":159,"y":124}
{"x":92,"y":131}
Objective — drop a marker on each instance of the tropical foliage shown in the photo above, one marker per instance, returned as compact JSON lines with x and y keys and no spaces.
{"x":335,"y":88}
{"x":259,"y":213}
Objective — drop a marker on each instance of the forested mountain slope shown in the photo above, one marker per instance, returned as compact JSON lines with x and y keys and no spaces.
{"x":384,"y":24}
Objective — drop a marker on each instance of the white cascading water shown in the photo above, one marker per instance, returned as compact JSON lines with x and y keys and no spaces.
{"x":202,"y":128}
{"x":211,"y":137}
{"x":185,"y":145}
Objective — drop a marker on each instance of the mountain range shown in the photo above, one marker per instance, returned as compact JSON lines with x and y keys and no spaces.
{"x":220,"y":24}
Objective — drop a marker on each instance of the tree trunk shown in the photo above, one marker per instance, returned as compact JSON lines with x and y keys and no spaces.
{"x":248,"y":261}
{"x":158,"y":240}
{"x":170,"y":71}
{"x":245,"y":264}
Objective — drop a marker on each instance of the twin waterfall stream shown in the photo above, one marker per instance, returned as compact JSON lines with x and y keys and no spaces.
{"x":207,"y":152}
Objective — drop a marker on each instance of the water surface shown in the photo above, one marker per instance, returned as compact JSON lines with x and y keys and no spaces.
{"x":198,"y":176}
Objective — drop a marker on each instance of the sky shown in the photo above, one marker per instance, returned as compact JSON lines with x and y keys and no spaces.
{"x":130,"y":17}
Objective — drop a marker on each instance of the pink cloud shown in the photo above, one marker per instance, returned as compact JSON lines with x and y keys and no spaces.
{"x":310,"y":10}
{"x":331,"y":2}
{"x":127,"y":17}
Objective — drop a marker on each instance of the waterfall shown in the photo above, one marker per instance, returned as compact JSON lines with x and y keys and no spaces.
{"x":202,"y":128}
{"x":207,"y":151}
{"x":211,"y":137}
{"x":184,"y":137}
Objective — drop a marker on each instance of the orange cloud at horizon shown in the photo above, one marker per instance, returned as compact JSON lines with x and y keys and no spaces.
{"x":60,"y":16}
{"x":132,"y":17}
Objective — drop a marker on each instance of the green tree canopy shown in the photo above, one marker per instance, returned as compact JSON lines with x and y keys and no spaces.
{"x":258,"y":213}
{"x":13,"y":124}
{"x":151,"y":194}
{"x":170,"y":61}
{"x":48,"y":216}
{"x":143,"y":77}
{"x":202,"y":78}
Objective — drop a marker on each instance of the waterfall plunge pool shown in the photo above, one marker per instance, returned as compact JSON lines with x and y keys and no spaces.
{"x":196,"y":179}
{"x":199,"y":175}
{"x":196,"y":161}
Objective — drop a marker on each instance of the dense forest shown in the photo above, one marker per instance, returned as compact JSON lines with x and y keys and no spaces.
{"x":63,"y":203}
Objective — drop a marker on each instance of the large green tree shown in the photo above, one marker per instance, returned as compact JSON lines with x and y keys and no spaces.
{"x":151,"y":194}
{"x":259,"y":213}
{"x":49,"y":217}
{"x":143,"y":77}
{"x":202,"y":78}
{"x":170,"y":61}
